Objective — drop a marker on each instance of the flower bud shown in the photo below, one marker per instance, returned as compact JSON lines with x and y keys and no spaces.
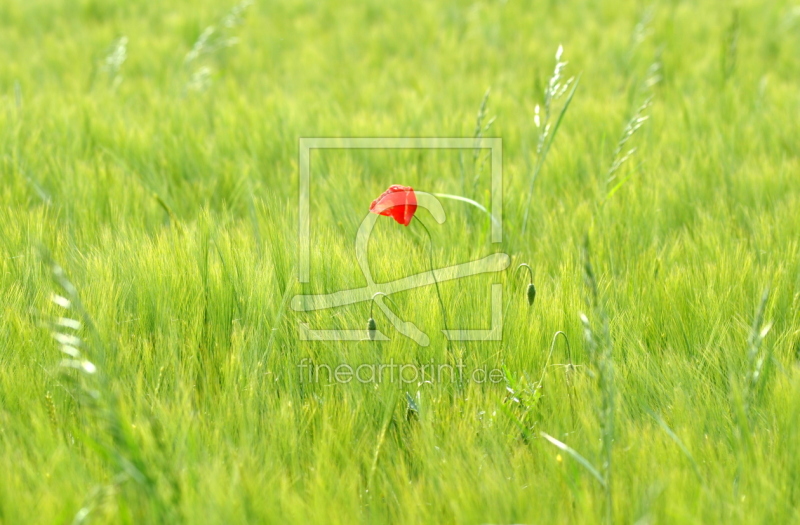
{"x":372,"y":328}
{"x":531,"y":294}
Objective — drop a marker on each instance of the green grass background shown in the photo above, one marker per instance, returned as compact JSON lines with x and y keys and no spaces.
{"x":171,"y":203}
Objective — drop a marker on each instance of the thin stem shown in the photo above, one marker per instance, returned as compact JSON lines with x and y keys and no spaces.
{"x":372,"y":301}
{"x":567,"y":372}
{"x":433,"y":274}
{"x":530,"y":271}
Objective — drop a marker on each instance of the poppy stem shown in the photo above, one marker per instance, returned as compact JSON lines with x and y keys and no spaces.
{"x":530,"y":271}
{"x":373,"y":301}
{"x":433,"y":274}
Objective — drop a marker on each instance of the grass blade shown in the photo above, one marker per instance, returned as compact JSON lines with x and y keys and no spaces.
{"x":576,"y":456}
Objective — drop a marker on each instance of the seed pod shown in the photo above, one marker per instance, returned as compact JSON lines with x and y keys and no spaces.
{"x":372,"y":328}
{"x":531,"y":294}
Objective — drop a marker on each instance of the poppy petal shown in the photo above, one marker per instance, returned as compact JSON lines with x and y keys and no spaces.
{"x":397,"y":202}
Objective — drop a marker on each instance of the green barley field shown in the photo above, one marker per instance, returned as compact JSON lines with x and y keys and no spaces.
{"x":156,"y":361}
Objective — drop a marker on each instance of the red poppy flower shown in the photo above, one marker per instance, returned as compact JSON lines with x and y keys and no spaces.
{"x":398,"y":202}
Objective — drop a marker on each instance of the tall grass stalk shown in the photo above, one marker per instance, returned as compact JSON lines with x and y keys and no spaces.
{"x":599,"y":348}
{"x":621,"y":156}
{"x":481,"y":128}
{"x":556,"y":88}
{"x":109,"y":430}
